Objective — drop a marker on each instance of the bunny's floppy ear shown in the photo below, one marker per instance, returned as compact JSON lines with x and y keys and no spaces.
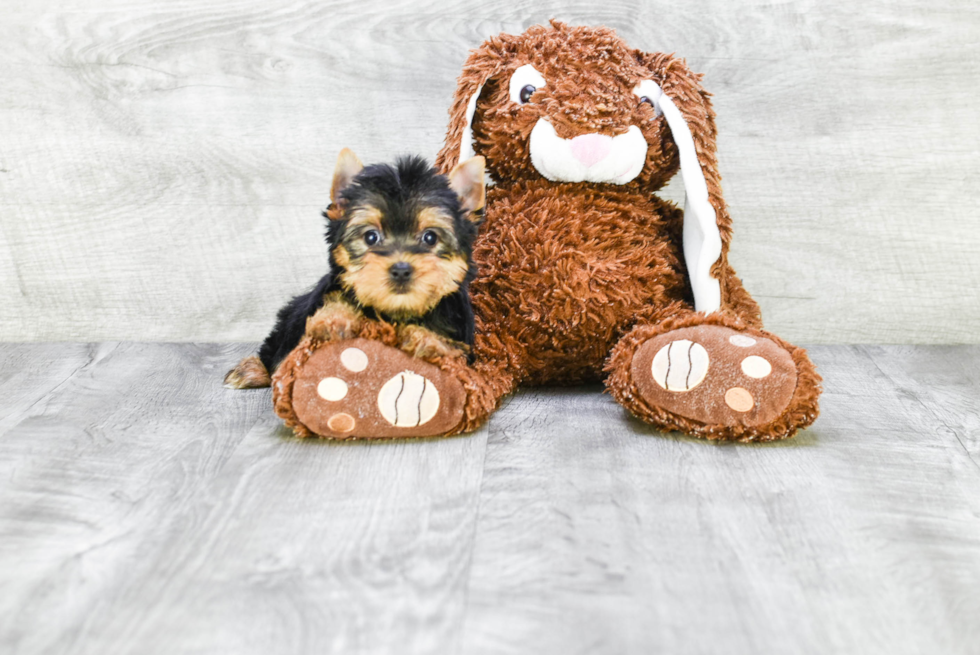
{"x":676,"y":92}
{"x":482,"y":64}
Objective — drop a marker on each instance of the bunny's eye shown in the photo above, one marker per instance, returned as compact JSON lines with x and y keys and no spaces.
{"x":523,"y":83}
{"x":649,"y":93}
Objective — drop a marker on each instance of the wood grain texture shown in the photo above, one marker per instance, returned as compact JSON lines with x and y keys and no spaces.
{"x":862,"y":535}
{"x":162,"y":165}
{"x":146,"y":509}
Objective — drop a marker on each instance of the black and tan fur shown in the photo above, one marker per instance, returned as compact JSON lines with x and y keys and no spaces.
{"x":401,"y":240}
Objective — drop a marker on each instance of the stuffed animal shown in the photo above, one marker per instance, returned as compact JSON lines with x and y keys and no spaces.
{"x":583,"y":273}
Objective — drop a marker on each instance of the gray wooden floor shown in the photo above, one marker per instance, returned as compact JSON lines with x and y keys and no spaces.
{"x":146,"y":509}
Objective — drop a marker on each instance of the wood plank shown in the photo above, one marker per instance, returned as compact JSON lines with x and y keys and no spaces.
{"x":946,"y":382}
{"x":164,"y":163}
{"x":95,"y":469}
{"x":312,"y":548}
{"x":862,"y":534}
{"x":144,"y":508}
{"x":31,"y":372}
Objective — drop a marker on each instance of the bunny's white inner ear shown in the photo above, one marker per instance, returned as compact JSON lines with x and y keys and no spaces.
{"x":466,"y":143}
{"x":702,"y":240}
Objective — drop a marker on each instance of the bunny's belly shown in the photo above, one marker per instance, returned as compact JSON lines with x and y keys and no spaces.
{"x":563,"y":276}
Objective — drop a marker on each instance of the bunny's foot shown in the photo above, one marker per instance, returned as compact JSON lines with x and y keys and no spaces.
{"x":713,"y":380}
{"x":365,"y":389}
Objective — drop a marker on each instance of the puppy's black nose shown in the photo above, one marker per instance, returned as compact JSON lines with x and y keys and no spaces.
{"x":400,"y":272}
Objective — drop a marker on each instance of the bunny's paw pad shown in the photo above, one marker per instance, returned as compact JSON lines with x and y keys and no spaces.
{"x":365,"y":389}
{"x":715,"y":375}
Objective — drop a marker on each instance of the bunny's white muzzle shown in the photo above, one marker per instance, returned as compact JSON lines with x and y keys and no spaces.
{"x":588,"y":157}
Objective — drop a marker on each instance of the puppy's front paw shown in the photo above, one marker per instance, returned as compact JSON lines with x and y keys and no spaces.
{"x":334,"y":322}
{"x":423,"y":343}
{"x":249,"y":374}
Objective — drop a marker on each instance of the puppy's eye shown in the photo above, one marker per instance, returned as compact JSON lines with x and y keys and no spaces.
{"x":371,"y":237}
{"x":523,"y":83}
{"x":430,"y":238}
{"x":646,"y":99}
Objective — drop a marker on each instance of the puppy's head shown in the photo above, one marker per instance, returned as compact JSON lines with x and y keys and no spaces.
{"x":401,"y":236}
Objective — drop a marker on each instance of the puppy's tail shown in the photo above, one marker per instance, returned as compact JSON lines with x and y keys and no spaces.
{"x":249,"y":374}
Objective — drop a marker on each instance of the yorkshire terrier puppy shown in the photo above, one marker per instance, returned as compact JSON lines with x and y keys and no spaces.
{"x":401,"y":242}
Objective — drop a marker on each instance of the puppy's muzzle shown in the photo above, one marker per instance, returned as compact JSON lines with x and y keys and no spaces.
{"x":400,"y":274}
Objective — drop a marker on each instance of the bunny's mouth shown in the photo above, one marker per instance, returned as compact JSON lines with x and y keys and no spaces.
{"x":588,"y":157}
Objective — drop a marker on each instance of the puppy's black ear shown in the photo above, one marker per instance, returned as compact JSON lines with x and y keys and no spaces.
{"x":467,"y":180}
{"x":348,"y":166}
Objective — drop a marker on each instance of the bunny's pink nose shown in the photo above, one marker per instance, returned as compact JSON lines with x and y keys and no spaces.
{"x":591,"y":148}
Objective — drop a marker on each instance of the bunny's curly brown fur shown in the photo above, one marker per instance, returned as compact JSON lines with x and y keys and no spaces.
{"x":567,"y":269}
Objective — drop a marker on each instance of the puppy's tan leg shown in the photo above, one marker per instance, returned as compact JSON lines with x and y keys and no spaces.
{"x":249,"y":374}
{"x":423,"y":343}
{"x":335,"y":321}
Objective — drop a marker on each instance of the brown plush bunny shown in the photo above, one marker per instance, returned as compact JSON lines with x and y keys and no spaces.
{"x":584,"y":274}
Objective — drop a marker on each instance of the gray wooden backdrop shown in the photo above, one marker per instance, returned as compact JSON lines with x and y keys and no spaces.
{"x":162,"y":164}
